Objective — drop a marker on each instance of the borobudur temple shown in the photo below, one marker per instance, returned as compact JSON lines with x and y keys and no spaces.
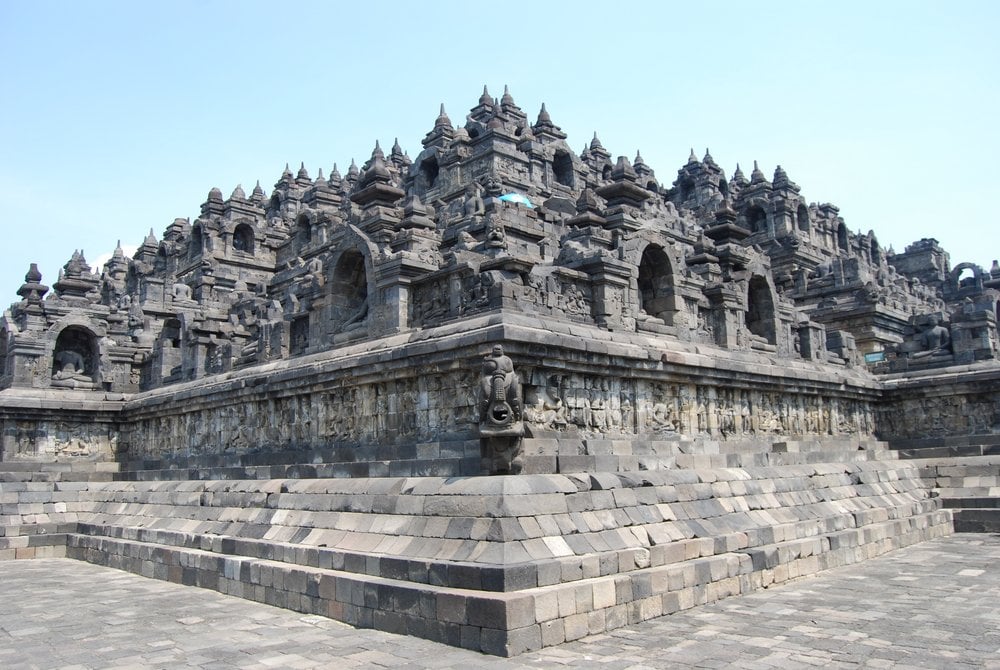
{"x":503,"y":394}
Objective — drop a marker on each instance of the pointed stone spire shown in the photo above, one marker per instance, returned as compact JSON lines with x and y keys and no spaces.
{"x":336,"y":181}
{"x":352,"y":171}
{"x":117,"y":265}
{"x":543,"y":117}
{"x":507,"y":99}
{"x":708,"y":160}
{"x":150,"y":238}
{"x":757,"y":177}
{"x":738,"y":176}
{"x":286,"y":178}
{"x":238,"y":193}
{"x":441,"y":133}
{"x":442,"y":120}
{"x":691,"y":157}
{"x":375,"y":184}
{"x":320,"y":179}
{"x":486,"y":99}
{"x":641,"y":169}
{"x":76,"y":280}
{"x":397,"y":151}
{"x":597,"y":149}
{"x":783,"y":183}
{"x":544,"y":128}
{"x":258,"y":192}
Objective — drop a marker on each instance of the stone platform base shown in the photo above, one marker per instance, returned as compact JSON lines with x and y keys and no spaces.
{"x":498,"y":564}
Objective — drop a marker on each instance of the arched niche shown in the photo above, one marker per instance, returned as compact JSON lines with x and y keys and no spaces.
{"x":760,"y":319}
{"x":429,"y":170}
{"x":349,"y":290}
{"x":243,"y":239}
{"x":562,"y":168}
{"x":171,"y":333}
{"x":75,"y":357}
{"x":171,"y":356}
{"x":756,"y":219}
{"x":842,"y":237}
{"x":656,"y":284}
{"x":304,"y":229}
{"x":802,"y":218}
{"x":197,"y":243}
{"x":723,"y":187}
{"x":686,"y":188}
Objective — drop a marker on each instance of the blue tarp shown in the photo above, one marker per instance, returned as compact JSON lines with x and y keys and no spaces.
{"x":518,"y":198}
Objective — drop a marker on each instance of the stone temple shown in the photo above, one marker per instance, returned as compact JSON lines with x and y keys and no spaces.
{"x":503,"y":394}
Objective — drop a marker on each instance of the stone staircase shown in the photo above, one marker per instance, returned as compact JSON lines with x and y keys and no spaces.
{"x":499,"y":564}
{"x":970,"y":486}
{"x":964,"y":472}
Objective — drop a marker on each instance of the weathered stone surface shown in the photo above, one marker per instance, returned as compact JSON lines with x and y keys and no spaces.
{"x":351,"y":314}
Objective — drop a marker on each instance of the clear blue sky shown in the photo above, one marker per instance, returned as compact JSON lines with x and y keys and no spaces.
{"x":120,"y":116}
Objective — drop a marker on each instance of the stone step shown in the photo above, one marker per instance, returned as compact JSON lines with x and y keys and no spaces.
{"x":509,"y":622}
{"x":966,"y":503}
{"x":948,"y":447}
{"x":428,"y":451}
{"x":441,"y":467}
{"x":56,"y":476}
{"x":59,"y":466}
{"x":57,"y":471}
{"x":977,"y":520}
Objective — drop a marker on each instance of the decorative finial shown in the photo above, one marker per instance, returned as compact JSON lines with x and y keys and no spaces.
{"x":442,"y":120}
{"x":507,"y":100}
{"x":543,"y":117}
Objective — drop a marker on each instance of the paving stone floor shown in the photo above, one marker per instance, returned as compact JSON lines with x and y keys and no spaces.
{"x":933,"y":605}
